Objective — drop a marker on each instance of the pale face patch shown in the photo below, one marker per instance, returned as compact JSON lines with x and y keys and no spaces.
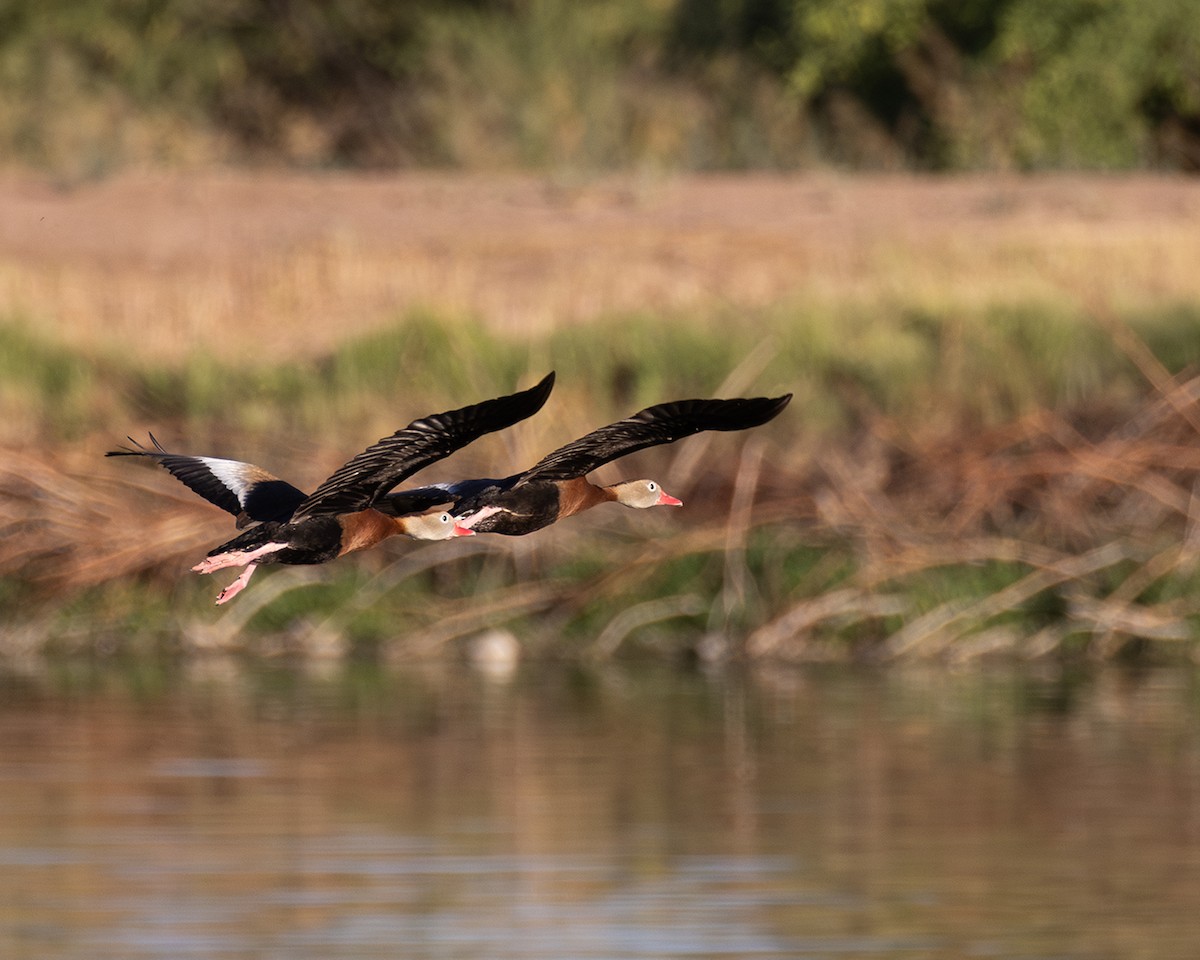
{"x":433,"y":526}
{"x":641,"y":494}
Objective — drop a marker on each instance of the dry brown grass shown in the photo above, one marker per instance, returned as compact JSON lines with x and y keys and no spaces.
{"x":65,"y":526}
{"x":1099,"y":512}
{"x":290,"y":264}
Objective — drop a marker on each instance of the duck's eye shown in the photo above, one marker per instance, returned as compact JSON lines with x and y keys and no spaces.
{"x":445,"y":518}
{"x":652,"y":486}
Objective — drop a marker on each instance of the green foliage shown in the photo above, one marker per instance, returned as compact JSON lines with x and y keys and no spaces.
{"x":86,"y":85}
{"x":536,"y":77}
{"x":1092,"y":83}
{"x":974,"y":368}
{"x":446,"y":357}
{"x":635,"y":360}
{"x":298,"y":79}
{"x":939,"y":585}
{"x":836,"y":42}
{"x":45,"y":382}
{"x":1109,"y":84}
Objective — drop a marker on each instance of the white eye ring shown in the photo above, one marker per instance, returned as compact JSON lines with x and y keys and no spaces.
{"x":445,"y":518}
{"x":652,"y":486}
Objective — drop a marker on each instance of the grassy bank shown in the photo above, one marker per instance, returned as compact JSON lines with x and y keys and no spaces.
{"x":944,"y":484}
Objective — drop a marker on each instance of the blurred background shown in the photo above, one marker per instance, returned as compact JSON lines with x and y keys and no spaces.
{"x":963,"y":234}
{"x":96,"y":85}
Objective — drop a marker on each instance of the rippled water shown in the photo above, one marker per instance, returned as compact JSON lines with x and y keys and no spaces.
{"x":218,"y":812}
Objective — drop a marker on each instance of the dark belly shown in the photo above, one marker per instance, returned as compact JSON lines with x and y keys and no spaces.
{"x":511,"y":525}
{"x":312,"y":540}
{"x":522,"y":510}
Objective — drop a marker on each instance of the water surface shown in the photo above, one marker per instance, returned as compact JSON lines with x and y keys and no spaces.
{"x":212,"y":811}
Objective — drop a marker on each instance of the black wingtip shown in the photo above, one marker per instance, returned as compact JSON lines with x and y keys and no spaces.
{"x":525,"y":403}
{"x":541,"y":390}
{"x":126,"y":451}
{"x":129,"y":452}
{"x":777,"y":406}
{"x":743,"y":413}
{"x":139,"y":449}
{"x":761,"y":411}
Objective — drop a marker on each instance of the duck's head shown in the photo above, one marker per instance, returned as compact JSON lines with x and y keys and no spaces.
{"x":433,"y":526}
{"x":643,"y":493}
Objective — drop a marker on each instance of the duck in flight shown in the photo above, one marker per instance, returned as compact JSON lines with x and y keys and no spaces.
{"x":343,"y":514}
{"x":557,"y":486}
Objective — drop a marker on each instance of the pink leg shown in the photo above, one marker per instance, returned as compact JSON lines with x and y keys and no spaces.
{"x":237,"y":586}
{"x":235,"y":558}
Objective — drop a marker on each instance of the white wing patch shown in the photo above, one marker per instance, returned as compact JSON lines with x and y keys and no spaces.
{"x":235,"y":476}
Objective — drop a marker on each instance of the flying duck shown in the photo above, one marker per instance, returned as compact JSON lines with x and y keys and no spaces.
{"x":342,"y":514}
{"x":557,"y":486}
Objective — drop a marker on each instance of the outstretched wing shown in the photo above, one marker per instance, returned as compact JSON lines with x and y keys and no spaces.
{"x":364,"y":479}
{"x":248,"y":492}
{"x":663,"y":423}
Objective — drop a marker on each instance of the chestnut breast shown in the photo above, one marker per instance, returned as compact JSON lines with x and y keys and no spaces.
{"x":365,"y":529}
{"x":577,"y":495}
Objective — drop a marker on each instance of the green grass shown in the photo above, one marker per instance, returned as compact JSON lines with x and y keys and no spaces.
{"x":982,"y":368}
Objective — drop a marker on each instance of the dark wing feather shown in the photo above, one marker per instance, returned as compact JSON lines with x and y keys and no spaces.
{"x":248,"y":492}
{"x":403,"y":503}
{"x":366,"y":478}
{"x":663,"y":423}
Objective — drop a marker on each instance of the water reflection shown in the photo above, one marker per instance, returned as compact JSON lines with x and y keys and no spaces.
{"x":221,"y":812}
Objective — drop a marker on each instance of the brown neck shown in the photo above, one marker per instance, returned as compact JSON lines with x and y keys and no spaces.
{"x":365,"y":529}
{"x":575,"y":496}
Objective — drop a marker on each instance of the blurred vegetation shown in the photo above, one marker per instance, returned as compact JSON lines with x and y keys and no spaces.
{"x":89,"y":85}
{"x":942,"y":485}
{"x":946,"y":371}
